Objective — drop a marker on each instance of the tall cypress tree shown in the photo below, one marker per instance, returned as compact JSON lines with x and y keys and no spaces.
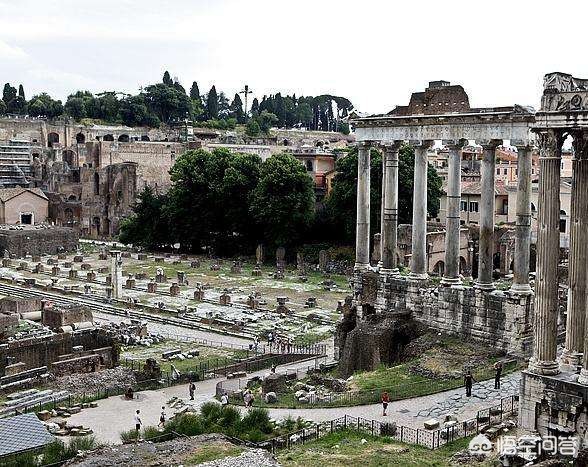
{"x":212,"y":103}
{"x":167,"y":79}
{"x":195,"y":92}
{"x":21,"y":91}
{"x":8,"y":93}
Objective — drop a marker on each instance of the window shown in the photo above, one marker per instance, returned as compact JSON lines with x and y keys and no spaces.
{"x":504,"y":171}
{"x":562,"y":225}
{"x":473,"y":206}
{"x":463,"y":206}
{"x":497,"y":171}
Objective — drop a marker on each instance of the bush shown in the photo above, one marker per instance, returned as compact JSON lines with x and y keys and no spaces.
{"x":151,"y":432}
{"x":211,"y":411}
{"x":128,"y":436}
{"x":257,"y":419}
{"x":230,"y":417}
{"x":187,"y":424}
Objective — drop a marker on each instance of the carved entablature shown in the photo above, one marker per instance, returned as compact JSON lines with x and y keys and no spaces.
{"x":564,"y":93}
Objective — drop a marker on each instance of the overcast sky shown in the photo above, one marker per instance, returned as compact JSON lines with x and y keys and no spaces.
{"x":373,"y":52}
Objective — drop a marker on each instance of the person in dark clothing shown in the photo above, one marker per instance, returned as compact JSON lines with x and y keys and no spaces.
{"x":498,"y":374}
{"x":468,"y":380}
{"x":192,"y":389}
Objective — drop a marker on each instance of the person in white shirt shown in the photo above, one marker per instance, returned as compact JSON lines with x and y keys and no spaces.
{"x":162,"y":418}
{"x":138,"y":424}
{"x":224,"y":400}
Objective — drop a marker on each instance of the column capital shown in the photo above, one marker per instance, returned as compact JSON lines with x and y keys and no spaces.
{"x":550,"y":142}
{"x":422,"y":143}
{"x":523,"y":146}
{"x":490,"y":144}
{"x":392,"y":146}
{"x":364,"y":144}
{"x":580,"y":144}
{"x":456,"y":144}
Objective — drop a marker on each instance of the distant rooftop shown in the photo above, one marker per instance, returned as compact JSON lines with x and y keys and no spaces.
{"x":22,"y":433}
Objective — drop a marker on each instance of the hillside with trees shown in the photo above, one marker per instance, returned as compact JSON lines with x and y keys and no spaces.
{"x":168,"y":102}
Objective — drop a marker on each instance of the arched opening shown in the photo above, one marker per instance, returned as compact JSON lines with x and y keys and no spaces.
{"x":309,"y":165}
{"x":145,"y":138}
{"x":72,"y":198}
{"x":108,"y":137}
{"x":439,"y":268}
{"x":496,"y":260}
{"x":286,"y":142}
{"x":69,"y":157}
{"x":80,"y":138}
{"x":96,"y":183}
{"x":533,"y":208}
{"x":123,"y":138}
{"x":52,"y":138}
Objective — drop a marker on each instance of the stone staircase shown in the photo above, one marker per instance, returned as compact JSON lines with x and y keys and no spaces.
{"x":23,"y":400}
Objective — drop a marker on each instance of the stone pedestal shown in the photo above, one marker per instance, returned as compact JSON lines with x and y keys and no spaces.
{"x":130,"y":283}
{"x":73,"y":274}
{"x":174,"y":290}
{"x":55,"y":271}
{"x":39,"y":268}
{"x":142,"y":256}
{"x":6,"y":262}
{"x":225,"y":299}
{"x":195,"y":264}
{"x":199,"y":294}
{"x":78,"y":259}
{"x":152,"y":287}
{"x":91,"y":276}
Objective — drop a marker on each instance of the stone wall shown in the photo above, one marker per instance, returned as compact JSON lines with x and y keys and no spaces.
{"x":38,"y":352}
{"x":553,"y":405}
{"x":58,"y":317}
{"x":45,"y":241}
{"x":498,"y":318}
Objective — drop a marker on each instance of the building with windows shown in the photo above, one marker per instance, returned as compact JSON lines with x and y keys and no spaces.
{"x":23,"y":206}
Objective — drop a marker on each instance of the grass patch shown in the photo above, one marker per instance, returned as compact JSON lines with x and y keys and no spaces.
{"x":344,"y":448}
{"x":212,"y":452}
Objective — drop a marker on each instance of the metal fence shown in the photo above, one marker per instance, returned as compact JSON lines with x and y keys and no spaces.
{"x":432,"y":439}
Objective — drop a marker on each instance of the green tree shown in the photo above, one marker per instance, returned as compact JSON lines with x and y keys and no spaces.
{"x":75,"y":107}
{"x":195,"y":92}
{"x":167,"y":79}
{"x":252,"y":129}
{"x":21,"y":92}
{"x":2,"y":107}
{"x":148,"y":226}
{"x":133,"y":111}
{"x":43,"y":105}
{"x":236,"y":109}
{"x":107,"y":106}
{"x":212,"y":103}
{"x":209,"y":199}
{"x":167,"y":102}
{"x":266,"y":120}
{"x":283,"y":201}
{"x":8,"y":93}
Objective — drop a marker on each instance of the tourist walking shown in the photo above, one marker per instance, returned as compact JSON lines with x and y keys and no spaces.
{"x":468,"y":380}
{"x":162,"y":418}
{"x":498,"y":374}
{"x":248,"y":398}
{"x":385,"y":402}
{"x":138,"y":424}
{"x":192,"y":389}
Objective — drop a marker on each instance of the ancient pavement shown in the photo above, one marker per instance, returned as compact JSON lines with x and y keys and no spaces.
{"x":115,"y":414}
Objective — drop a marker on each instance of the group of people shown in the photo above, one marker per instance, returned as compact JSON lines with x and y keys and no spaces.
{"x":139,"y":422}
{"x":280,"y":344}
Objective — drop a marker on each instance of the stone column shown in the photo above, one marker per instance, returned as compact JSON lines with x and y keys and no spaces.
{"x":544,"y":356}
{"x":451,"y":274}
{"x":578,"y":255}
{"x":520,"y":283}
{"x":116,"y":273}
{"x":418,"y":259}
{"x":362,"y":233}
{"x":382,"y":203}
{"x":389,"y":238}
{"x":486,"y":248}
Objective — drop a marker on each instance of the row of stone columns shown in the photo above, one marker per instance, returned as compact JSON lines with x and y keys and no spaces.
{"x":389,"y":213}
{"x":544,"y":360}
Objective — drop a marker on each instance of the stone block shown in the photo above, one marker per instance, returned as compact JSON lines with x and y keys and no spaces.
{"x":73,"y":274}
{"x":431,"y":424}
{"x":86,"y":266}
{"x":44,"y":415}
{"x":78,"y":259}
{"x":152,"y":287}
{"x":159,"y":259}
{"x":142,"y":256}
{"x":195,"y":264}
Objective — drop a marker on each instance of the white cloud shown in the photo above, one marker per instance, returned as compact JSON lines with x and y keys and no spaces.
{"x":375,"y":52}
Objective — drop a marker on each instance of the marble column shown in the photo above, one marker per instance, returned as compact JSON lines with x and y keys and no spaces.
{"x":544,"y":356}
{"x":418,"y":259}
{"x":520,"y":283}
{"x":382,"y":203}
{"x":452,"y":237}
{"x":578,"y":255}
{"x":486,"y":245}
{"x":362,"y":232}
{"x":389,"y":237}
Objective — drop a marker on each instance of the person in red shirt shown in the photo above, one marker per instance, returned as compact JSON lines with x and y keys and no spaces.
{"x":385,"y":401}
